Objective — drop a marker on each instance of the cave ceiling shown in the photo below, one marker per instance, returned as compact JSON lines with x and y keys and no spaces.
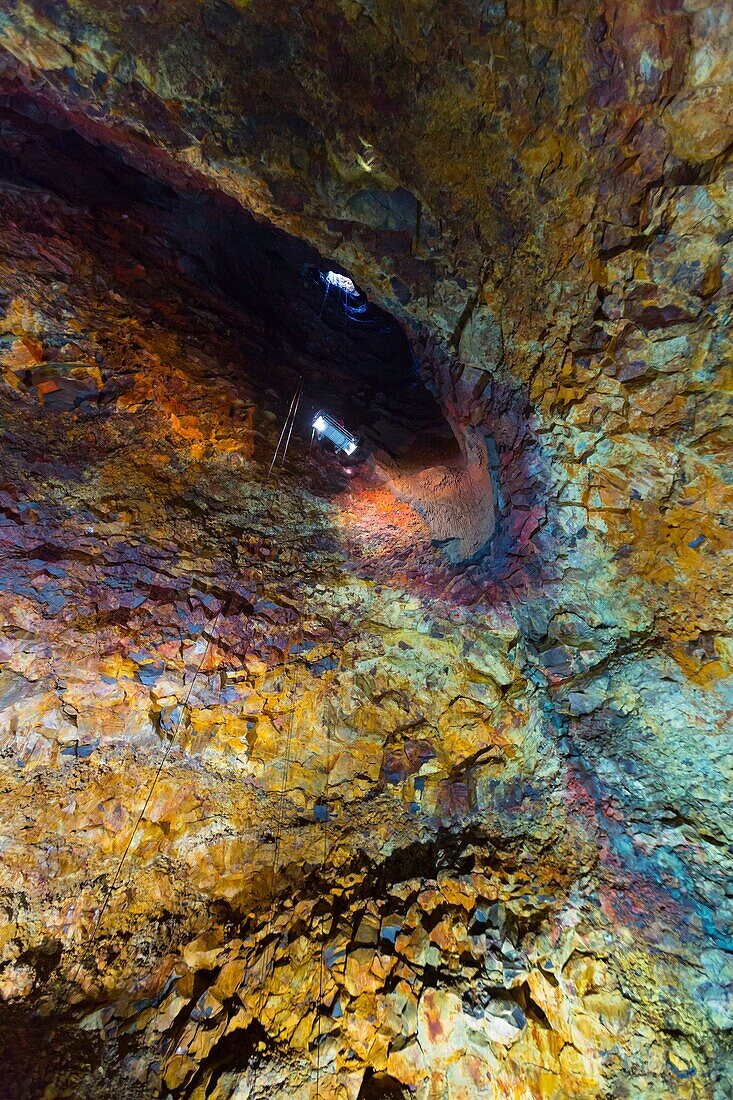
{"x":403,"y":774}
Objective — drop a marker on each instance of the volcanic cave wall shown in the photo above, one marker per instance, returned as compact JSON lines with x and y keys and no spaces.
{"x":295,"y":805}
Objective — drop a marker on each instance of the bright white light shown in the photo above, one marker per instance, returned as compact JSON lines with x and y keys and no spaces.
{"x":350,"y":448}
{"x":319,"y":423}
{"x":343,"y":282}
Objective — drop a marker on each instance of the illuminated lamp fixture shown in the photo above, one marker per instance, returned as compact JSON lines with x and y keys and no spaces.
{"x":327,"y":428}
{"x":341,"y":282}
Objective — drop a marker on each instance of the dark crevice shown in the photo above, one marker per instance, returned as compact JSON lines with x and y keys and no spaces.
{"x":235,"y":1052}
{"x":380,"y":1086}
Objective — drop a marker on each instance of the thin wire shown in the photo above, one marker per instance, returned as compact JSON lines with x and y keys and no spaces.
{"x":284,"y":429}
{"x":286,"y":776}
{"x":346,"y":318}
{"x":98,"y":922}
{"x":323,"y":304}
{"x":319,"y":1013}
{"x":292,"y":422}
{"x":275,"y":862}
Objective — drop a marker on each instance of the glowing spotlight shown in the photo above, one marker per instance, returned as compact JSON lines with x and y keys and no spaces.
{"x":341,"y":282}
{"x":328,"y":428}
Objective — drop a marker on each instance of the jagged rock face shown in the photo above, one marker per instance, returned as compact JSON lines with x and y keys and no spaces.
{"x":294,"y":804}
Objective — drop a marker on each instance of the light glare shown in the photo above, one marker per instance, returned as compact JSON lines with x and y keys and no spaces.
{"x":343,"y":282}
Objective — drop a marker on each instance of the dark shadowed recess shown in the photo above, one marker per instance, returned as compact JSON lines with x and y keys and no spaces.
{"x":380,"y":1086}
{"x":36,"y":1048}
{"x":354,"y":357}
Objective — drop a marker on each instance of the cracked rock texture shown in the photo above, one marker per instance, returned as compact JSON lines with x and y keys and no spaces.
{"x":393,"y":824}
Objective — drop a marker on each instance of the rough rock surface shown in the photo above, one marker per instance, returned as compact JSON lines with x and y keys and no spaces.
{"x":457,"y":501}
{"x":392,"y":825}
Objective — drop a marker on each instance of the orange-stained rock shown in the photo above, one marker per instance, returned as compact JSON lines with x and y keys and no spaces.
{"x":456,"y":825}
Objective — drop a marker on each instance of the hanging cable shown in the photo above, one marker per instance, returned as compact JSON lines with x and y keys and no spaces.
{"x":146,"y":803}
{"x":320,"y":313}
{"x":295,"y":413}
{"x":285,"y":425}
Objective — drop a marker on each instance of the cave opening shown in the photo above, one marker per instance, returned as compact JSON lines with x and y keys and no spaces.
{"x":355,"y":358}
{"x":318,"y":334}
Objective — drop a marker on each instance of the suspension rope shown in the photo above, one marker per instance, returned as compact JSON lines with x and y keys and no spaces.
{"x":295,"y":413}
{"x":285,"y":425}
{"x":98,"y":922}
